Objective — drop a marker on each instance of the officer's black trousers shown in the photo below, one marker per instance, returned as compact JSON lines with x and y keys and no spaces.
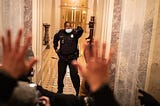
{"x":62,"y":65}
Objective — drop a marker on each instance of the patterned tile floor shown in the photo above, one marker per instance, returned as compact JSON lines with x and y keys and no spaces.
{"x":50,"y":78}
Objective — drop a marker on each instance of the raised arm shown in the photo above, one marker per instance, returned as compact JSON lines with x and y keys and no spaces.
{"x":96,"y":74}
{"x":78,"y":32}
{"x":55,"y":41}
{"x":13,"y":63}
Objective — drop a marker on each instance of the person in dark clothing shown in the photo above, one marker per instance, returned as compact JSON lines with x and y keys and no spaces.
{"x":13,"y":64}
{"x":147,"y":100}
{"x":95,"y":72}
{"x":67,"y":52}
{"x":102,"y":97}
{"x":84,"y":88}
{"x":31,"y":96}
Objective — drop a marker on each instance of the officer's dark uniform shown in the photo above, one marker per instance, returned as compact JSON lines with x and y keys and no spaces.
{"x":68,"y":51}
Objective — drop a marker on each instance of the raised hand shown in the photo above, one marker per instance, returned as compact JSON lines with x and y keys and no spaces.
{"x":95,"y":72}
{"x":13,"y":59}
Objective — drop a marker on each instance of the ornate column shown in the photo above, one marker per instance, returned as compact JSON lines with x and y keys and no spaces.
{"x":153,"y":72}
{"x":90,"y":12}
{"x":12,"y":15}
{"x":27,"y":16}
{"x":116,"y":22}
{"x":56,"y":9}
{"x":0,"y":29}
{"x":0,"y":17}
{"x":103,"y":21}
{"x":98,"y":18}
{"x":133,"y":49}
{"x":37,"y":8}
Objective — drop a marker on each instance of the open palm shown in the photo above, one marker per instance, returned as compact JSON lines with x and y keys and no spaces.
{"x":13,"y":59}
{"x":95,"y":72}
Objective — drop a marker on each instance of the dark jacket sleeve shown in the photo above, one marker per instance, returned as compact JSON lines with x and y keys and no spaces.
{"x":68,"y":100}
{"x":61,"y":99}
{"x":7,"y":86}
{"x":78,"y":32}
{"x":104,"y":97}
{"x":55,"y":40}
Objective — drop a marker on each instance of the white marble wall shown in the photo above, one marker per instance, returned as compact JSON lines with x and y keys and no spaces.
{"x":37,"y":10}
{"x":133,"y":50}
{"x":24,"y":13}
{"x":90,"y":12}
{"x":27,"y":16}
{"x":56,"y":8}
{"x":0,"y":17}
{"x":115,"y":38}
{"x":0,"y":29}
{"x":103,"y":21}
{"x":98,"y":18}
{"x":12,"y":15}
{"x":153,"y":80}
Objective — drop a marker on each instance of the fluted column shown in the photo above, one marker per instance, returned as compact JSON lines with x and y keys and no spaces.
{"x":0,"y":29}
{"x":154,"y":61}
{"x":90,"y":12}
{"x":57,"y":4}
{"x":98,"y":18}
{"x":116,"y":22}
{"x":103,"y":21}
{"x":37,"y":8}
{"x":12,"y":15}
{"x":133,"y":49}
{"x":27,"y":16}
{"x":0,"y":17}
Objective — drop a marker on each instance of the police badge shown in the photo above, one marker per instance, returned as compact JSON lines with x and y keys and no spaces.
{"x":72,"y":36}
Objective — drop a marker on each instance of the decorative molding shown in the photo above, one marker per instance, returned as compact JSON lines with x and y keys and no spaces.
{"x":116,"y":21}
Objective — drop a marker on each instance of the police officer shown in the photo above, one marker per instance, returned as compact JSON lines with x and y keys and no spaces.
{"x":67,"y":52}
